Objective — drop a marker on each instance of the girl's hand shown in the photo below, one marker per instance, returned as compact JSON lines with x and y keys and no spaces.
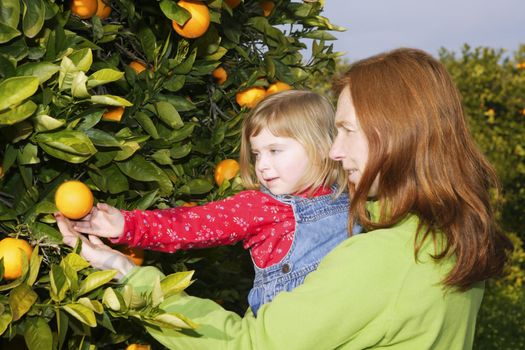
{"x":98,"y":254}
{"x":103,"y":221}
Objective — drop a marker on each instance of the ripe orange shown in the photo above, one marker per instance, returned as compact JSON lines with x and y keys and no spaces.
{"x":135,"y":254}
{"x":232,"y":3}
{"x":84,"y":9}
{"x":137,"y":66}
{"x":227,"y":169}
{"x":276,"y":87}
{"x":250,"y":97}
{"x":74,"y":199}
{"x":113,"y":114}
{"x":220,"y":75}
{"x":189,"y":204}
{"x":267,"y":7}
{"x":11,"y":250}
{"x":138,"y":347}
{"x":103,"y":9}
{"x":199,"y":21}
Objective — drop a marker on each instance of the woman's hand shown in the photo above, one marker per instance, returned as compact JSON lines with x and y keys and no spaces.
{"x":103,"y":221}
{"x":98,"y":254}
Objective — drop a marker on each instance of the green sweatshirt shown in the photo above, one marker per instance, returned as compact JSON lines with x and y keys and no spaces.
{"x":369,"y":292}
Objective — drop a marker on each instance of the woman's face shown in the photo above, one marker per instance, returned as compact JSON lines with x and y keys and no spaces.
{"x":351,"y":145}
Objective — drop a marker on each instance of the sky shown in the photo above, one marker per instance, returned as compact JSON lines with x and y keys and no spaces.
{"x":374,"y":26}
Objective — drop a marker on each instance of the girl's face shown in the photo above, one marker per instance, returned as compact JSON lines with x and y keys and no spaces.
{"x":280,"y":162}
{"x":351,"y":145}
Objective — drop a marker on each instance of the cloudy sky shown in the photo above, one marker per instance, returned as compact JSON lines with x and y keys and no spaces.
{"x":374,"y":26}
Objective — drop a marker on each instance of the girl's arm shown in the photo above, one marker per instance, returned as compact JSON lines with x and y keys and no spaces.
{"x":223,"y":222}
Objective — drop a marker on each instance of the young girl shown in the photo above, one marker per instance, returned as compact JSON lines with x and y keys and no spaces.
{"x":291,"y":216}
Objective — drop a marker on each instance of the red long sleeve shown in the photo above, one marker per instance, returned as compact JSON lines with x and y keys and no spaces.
{"x":265,"y":225}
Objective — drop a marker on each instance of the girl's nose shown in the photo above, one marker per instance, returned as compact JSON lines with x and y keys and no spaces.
{"x":262,"y":163}
{"x":337,"y":151}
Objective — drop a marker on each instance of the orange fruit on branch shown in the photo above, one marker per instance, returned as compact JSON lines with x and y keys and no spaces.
{"x":232,"y":3}
{"x":267,"y":7}
{"x":83,"y":9}
{"x":138,"y":347}
{"x":276,"y":87}
{"x":103,"y":9}
{"x":227,"y":169}
{"x":137,"y":66}
{"x":11,"y":251}
{"x":74,"y":199}
{"x":135,"y":254}
{"x":220,"y":75}
{"x":250,"y":97}
{"x":199,"y":21}
{"x":113,"y":114}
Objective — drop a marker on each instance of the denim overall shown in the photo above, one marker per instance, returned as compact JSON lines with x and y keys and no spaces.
{"x":320,"y":225}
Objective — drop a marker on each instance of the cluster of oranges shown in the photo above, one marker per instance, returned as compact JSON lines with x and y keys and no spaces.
{"x":251,"y":96}
{"x":86,"y":9}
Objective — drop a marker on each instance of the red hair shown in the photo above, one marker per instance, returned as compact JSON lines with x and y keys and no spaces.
{"x":428,"y":165}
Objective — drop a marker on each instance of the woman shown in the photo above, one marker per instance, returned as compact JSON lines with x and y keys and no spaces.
{"x":415,"y":280}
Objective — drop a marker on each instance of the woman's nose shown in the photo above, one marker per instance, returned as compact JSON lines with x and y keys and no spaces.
{"x":336,"y":151}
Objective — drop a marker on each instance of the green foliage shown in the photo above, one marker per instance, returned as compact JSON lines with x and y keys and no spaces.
{"x":60,"y":74}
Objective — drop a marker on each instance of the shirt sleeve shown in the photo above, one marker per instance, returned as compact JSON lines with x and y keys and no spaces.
{"x":337,"y":303}
{"x":233,"y":219}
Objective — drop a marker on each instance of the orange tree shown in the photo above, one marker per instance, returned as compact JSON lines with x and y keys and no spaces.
{"x":493,"y":87}
{"x":74,"y":105}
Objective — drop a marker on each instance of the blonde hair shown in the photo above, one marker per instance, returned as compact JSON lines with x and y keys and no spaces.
{"x":308,"y":118}
{"x":428,"y":164}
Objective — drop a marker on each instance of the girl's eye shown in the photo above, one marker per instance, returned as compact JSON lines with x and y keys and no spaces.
{"x":275,"y":151}
{"x":255,"y":155}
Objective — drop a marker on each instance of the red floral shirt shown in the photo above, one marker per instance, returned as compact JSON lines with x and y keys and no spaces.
{"x":265,"y":225}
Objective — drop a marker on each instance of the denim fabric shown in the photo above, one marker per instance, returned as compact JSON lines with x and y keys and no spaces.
{"x":320,"y":225}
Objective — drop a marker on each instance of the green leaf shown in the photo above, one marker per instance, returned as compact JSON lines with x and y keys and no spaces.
{"x":17,"y":114}
{"x":69,"y":145}
{"x":148,"y":42}
{"x":111,"y":100}
{"x":104,"y":76}
{"x":111,"y":300}
{"x":176,"y":283}
{"x":179,"y":151}
{"x":139,"y":169}
{"x":58,"y":283}
{"x":197,"y":186}
{"x":45,"y":122}
{"x":15,"y":90}
{"x":10,"y":14}
{"x":102,"y":138}
{"x":78,"y":85}
{"x":174,"y":12}
{"x":7,"y":33}
{"x":38,"y":334}
{"x":21,"y":298}
{"x":147,"y":124}
{"x":173,"y":320}
{"x":185,"y":67}
{"x":146,"y":200}
{"x":81,"y":313}
{"x":45,"y":232}
{"x":320,"y":35}
{"x":33,"y":17}
{"x":82,"y":59}
{"x":128,"y":149}
{"x":34,"y":266}
{"x":5,"y":320}
{"x":94,"y":305}
{"x":95,"y":280}
{"x":175,"y":83}
{"x":75,"y":261}
{"x":167,"y":112}
{"x":157,"y":296}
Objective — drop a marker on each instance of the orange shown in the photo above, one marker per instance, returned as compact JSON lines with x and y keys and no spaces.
{"x":522,"y":112}
{"x":11,"y":250}
{"x":267,"y":7}
{"x":227,"y":169}
{"x":138,"y":347}
{"x":220,"y":75}
{"x":74,"y":199}
{"x":84,"y":9}
{"x":135,"y":254}
{"x":276,"y":87}
{"x":137,"y":66}
{"x":199,"y":21}
{"x":103,"y":9}
{"x":232,"y":3}
{"x":113,"y":114}
{"x":189,"y":204}
{"x":250,"y":97}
